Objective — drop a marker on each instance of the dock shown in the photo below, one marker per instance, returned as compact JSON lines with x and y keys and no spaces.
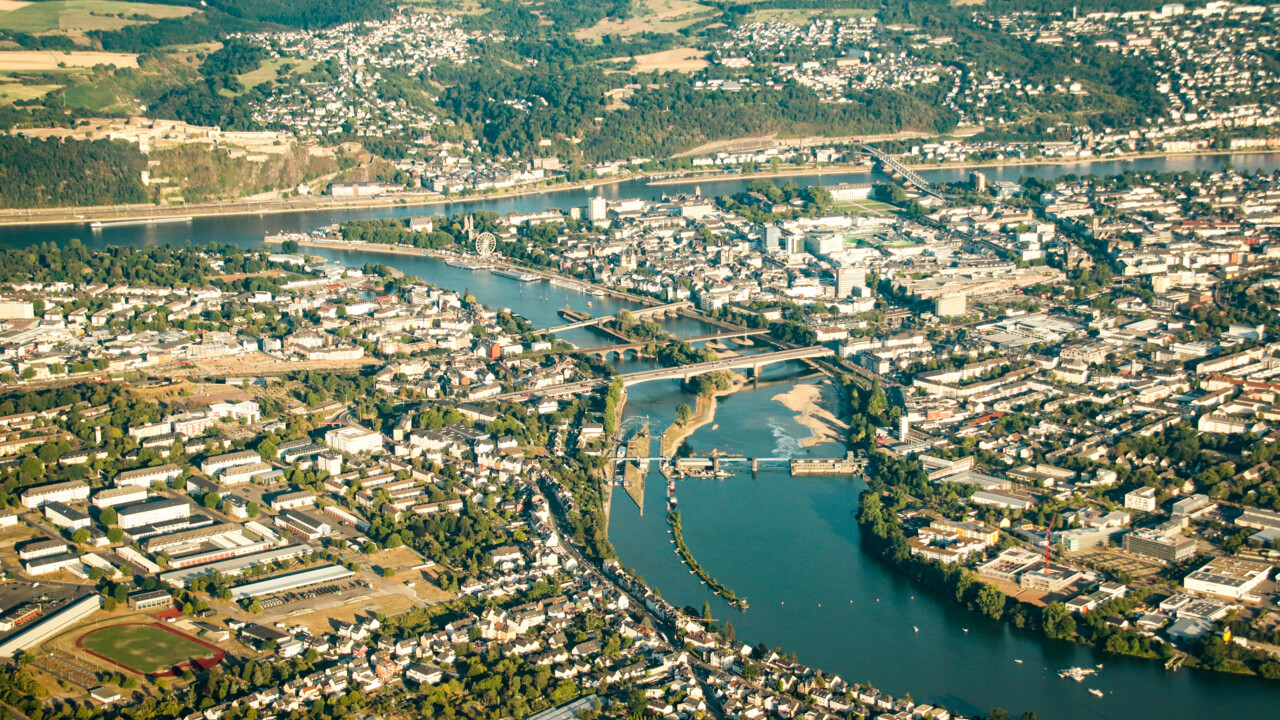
{"x":847,"y":465}
{"x":636,"y":466}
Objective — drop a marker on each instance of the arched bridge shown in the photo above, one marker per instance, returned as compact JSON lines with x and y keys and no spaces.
{"x":910,"y":175}
{"x":620,"y":350}
{"x":682,"y":372}
{"x":638,"y":313}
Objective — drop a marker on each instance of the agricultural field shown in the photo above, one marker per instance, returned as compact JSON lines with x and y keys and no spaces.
{"x":9,"y":92}
{"x":146,"y":648}
{"x":659,"y":16}
{"x":52,"y":60}
{"x":79,"y":16}
{"x":676,"y":59}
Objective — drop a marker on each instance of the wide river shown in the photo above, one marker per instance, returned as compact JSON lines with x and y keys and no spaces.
{"x":790,"y":546}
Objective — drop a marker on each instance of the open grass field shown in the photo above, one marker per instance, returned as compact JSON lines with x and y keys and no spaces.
{"x":678,"y":59}
{"x":45,"y":60}
{"x":659,"y":16}
{"x":146,"y":648}
{"x":273,"y":69}
{"x":11,"y":92}
{"x":78,"y":16}
{"x":865,"y":207}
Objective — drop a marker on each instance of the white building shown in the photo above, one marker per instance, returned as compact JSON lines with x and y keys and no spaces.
{"x":146,"y":477}
{"x":1143,"y":499}
{"x":152,"y":511}
{"x":1228,"y":577}
{"x":354,"y":440}
{"x":64,"y":492}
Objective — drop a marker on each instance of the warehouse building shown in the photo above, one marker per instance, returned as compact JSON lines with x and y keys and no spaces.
{"x":293,"y":581}
{"x":51,"y":626}
{"x":234,"y":566}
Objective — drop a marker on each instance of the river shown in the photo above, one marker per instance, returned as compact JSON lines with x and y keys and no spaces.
{"x":248,"y":230}
{"x":790,"y":546}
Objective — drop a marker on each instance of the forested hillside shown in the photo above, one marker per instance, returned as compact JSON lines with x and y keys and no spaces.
{"x":49,"y":173}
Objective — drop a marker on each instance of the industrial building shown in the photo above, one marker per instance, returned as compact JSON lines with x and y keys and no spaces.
{"x":51,"y":625}
{"x":1228,"y":577}
{"x":234,"y":566}
{"x":293,"y":581}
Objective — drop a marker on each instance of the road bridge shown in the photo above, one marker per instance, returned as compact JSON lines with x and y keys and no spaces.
{"x":608,"y":350}
{"x":910,"y":175}
{"x":753,"y":363}
{"x":638,"y":313}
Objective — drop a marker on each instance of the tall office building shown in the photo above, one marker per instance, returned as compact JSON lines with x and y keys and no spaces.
{"x":847,"y":278}
{"x":597,"y":210}
{"x":772,"y":238}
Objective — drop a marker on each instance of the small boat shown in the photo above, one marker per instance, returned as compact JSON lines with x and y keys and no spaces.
{"x":965,"y":629}
{"x":913,"y":627}
{"x":1017,"y":661}
{"x":1095,"y":692}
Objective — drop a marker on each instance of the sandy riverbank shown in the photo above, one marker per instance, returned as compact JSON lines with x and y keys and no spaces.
{"x":825,"y":425}
{"x":704,"y":413}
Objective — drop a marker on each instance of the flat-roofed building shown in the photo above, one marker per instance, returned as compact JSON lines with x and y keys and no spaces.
{"x":148,"y":599}
{"x":57,"y":622}
{"x":1228,"y":577}
{"x":1143,"y":499}
{"x":293,"y":581}
{"x":353,"y":440}
{"x":1165,"y":548}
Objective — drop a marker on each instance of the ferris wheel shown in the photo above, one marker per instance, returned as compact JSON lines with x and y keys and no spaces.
{"x":486,"y":243}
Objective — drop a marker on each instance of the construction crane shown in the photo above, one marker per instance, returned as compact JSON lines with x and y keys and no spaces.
{"x":1048,"y":540}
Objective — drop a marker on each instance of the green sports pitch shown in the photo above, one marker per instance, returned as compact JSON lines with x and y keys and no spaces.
{"x":148,"y":649}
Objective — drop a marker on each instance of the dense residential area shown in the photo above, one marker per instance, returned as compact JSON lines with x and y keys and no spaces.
{"x":639,"y":360}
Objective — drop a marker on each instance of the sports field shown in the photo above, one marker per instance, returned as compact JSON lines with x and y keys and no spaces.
{"x":148,"y":648}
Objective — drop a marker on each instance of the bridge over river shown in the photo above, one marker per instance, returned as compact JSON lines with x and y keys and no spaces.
{"x":638,"y":313}
{"x":680,"y":372}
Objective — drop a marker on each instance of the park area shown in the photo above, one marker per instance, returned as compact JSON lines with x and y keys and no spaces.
{"x":148,"y":648}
